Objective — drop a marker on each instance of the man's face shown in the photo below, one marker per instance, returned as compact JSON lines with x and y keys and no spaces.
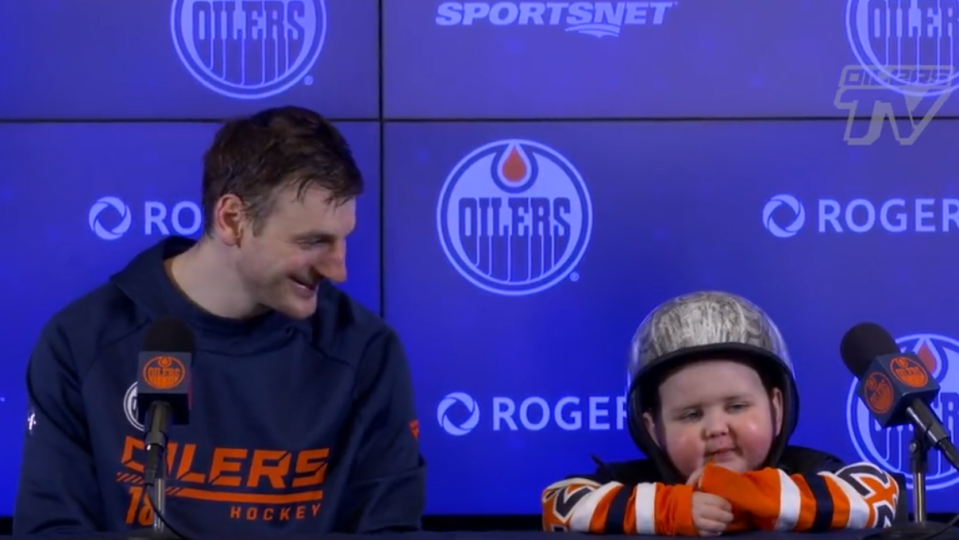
{"x":302,"y":242}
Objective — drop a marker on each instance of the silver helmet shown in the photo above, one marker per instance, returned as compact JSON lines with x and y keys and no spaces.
{"x":702,"y":324}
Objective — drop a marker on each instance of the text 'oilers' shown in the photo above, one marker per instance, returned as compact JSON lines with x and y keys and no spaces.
{"x":514,"y":217}
{"x":889,"y":448}
{"x":886,"y":35}
{"x":247,"y":484}
{"x":164,"y":372}
{"x":248,"y":50}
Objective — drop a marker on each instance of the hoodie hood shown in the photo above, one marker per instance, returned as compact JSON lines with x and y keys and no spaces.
{"x":146,"y":283}
{"x":696,"y":326}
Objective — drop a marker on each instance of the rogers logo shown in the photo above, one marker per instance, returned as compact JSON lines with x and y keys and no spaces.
{"x":119,"y":228}
{"x":454,"y":399}
{"x":459,"y":413}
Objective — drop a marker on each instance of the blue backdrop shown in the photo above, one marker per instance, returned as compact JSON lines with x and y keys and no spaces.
{"x":540,"y":175}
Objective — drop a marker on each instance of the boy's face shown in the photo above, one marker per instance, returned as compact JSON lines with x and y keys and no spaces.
{"x":715,"y":411}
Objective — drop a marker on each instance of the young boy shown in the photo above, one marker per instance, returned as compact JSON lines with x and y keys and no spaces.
{"x":712,"y":404}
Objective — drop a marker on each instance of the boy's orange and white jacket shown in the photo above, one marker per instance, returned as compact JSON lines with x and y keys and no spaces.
{"x":801,"y":495}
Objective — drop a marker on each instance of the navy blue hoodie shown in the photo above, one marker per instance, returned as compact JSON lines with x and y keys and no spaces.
{"x":297,"y":426}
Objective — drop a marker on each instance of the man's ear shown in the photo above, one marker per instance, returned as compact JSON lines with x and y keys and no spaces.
{"x":649,"y":420}
{"x":229,"y":222}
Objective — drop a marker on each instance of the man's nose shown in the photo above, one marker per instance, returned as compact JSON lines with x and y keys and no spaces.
{"x":333,"y":264}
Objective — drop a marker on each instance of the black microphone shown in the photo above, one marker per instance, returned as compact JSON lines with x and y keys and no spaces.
{"x":163,"y":388}
{"x":895,"y":386}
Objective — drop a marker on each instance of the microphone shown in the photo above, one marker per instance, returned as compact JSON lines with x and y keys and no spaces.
{"x":897,"y":389}
{"x":895,"y":386}
{"x":163,"y":400}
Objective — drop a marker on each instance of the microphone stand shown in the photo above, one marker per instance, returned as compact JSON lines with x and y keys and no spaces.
{"x":920,"y":527}
{"x":919,"y":464}
{"x":157,"y":493}
{"x":158,"y":500}
{"x":155,"y":472}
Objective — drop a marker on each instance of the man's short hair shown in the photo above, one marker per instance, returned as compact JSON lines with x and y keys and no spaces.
{"x":258,"y":156}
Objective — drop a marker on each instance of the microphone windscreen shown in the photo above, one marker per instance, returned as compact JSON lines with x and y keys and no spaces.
{"x":863,"y":343}
{"x":169,"y":335}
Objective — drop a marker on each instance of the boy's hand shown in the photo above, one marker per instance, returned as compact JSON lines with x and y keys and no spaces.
{"x":694,"y":478}
{"x":711,"y":514}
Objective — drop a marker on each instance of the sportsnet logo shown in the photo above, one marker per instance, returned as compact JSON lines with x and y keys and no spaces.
{"x":249,"y":484}
{"x":514,"y":217}
{"x":599,"y":19}
{"x":249,"y":50}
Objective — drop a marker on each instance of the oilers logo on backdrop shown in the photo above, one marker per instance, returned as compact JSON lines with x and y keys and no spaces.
{"x":890,"y":37}
{"x":889,"y":448}
{"x":249,"y":50}
{"x":514,"y":217}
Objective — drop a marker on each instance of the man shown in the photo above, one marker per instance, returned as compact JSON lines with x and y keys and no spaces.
{"x":302,"y":417}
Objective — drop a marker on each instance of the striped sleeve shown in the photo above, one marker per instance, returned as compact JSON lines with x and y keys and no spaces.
{"x":582,"y":505}
{"x":858,"y":496}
